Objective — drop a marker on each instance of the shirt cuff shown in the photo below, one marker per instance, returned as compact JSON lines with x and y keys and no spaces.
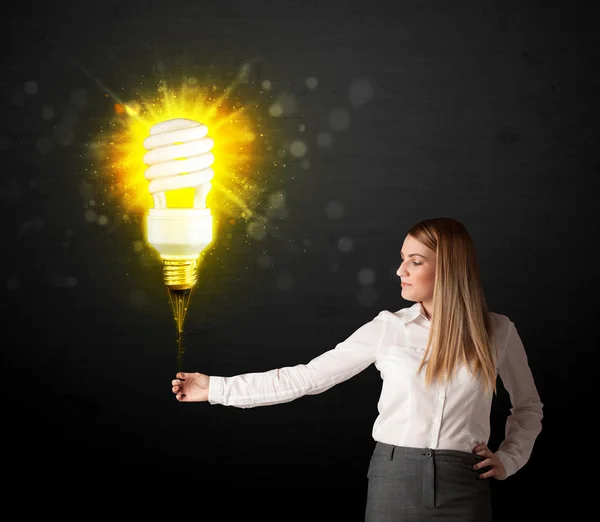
{"x":508,"y":463}
{"x":215,"y":390}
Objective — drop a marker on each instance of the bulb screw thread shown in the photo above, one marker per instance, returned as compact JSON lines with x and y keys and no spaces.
{"x":180,"y":274}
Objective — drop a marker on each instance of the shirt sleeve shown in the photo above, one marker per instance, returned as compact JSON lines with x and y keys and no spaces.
{"x":524,"y":423}
{"x":280,"y":385}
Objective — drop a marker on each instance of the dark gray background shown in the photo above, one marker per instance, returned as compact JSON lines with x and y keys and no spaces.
{"x":481,"y":110}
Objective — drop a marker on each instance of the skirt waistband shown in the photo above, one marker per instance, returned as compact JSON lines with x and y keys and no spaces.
{"x":391,"y":451}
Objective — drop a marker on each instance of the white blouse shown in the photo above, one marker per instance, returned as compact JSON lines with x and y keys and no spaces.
{"x":453,"y":414}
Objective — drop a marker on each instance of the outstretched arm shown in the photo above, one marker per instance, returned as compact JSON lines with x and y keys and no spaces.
{"x":280,"y":385}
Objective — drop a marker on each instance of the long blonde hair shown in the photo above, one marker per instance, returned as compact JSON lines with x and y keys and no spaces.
{"x":461,"y":328}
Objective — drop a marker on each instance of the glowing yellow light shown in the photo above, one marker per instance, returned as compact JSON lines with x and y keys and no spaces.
{"x":237,"y":153}
{"x":237,"y":166}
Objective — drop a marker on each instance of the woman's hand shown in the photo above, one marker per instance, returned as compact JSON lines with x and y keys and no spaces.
{"x":497,"y":468}
{"x":191,"y":387}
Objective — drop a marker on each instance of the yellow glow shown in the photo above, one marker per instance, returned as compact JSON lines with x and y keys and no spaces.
{"x":237,"y":147}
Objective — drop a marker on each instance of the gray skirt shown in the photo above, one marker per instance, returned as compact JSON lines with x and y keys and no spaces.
{"x":419,"y":485}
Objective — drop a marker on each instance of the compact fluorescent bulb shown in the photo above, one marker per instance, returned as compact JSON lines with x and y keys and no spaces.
{"x":179,"y":156}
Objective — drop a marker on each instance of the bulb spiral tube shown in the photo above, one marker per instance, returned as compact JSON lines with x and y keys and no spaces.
{"x":179,"y":156}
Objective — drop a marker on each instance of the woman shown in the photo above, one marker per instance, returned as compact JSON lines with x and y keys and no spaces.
{"x":439,"y":360}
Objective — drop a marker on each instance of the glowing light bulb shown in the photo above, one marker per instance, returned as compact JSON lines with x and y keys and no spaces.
{"x":179,"y":156}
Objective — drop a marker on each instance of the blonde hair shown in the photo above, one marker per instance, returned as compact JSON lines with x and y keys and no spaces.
{"x":461,"y":328}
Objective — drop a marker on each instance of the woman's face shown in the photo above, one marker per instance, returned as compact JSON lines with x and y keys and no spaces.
{"x":417,"y":269}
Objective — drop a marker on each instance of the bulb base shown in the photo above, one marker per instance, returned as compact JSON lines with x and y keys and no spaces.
{"x":179,"y":233}
{"x":180,"y":274}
